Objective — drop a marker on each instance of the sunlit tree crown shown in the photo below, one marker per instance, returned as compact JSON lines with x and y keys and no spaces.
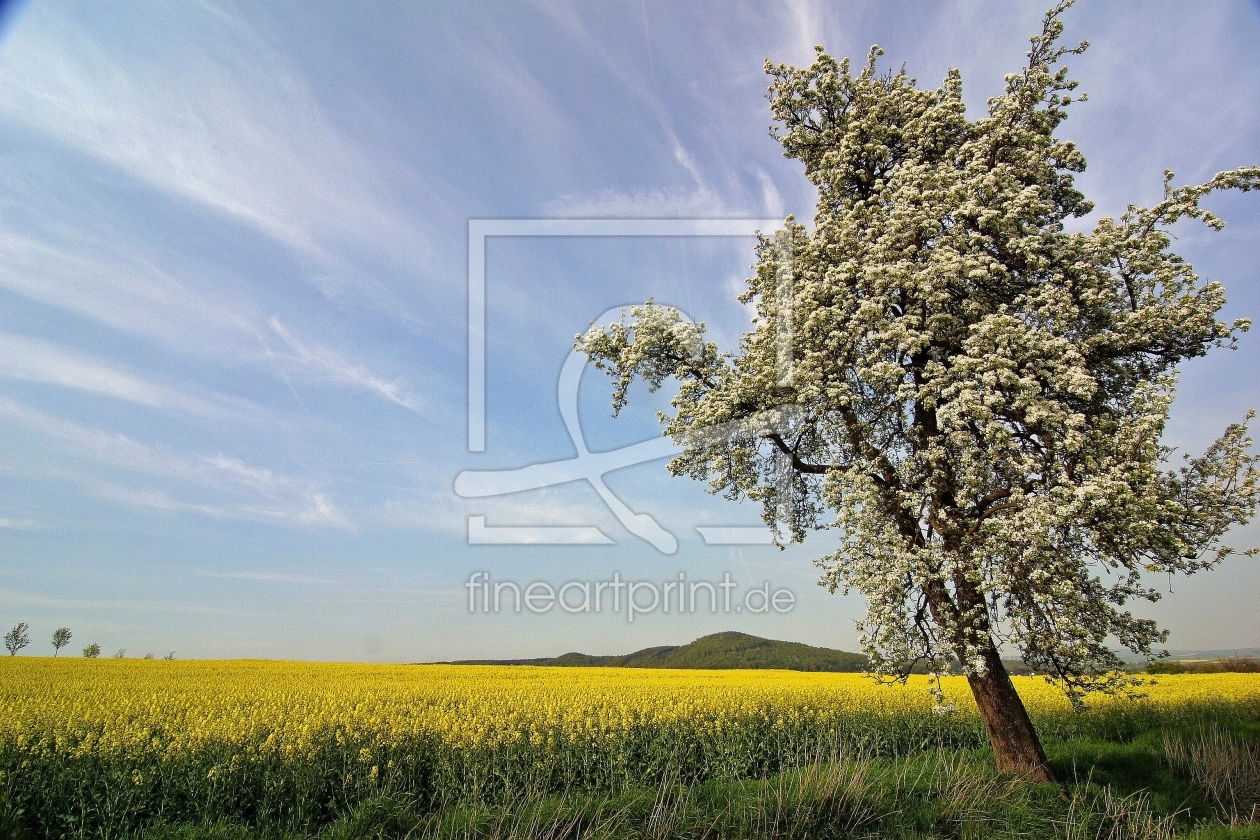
{"x":969,"y":393}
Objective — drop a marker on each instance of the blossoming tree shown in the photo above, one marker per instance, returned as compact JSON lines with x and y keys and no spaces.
{"x":971,"y":395}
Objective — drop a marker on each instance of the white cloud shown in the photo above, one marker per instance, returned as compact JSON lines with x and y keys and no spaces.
{"x":224,"y":120}
{"x":314,"y":510}
{"x":805,"y":23}
{"x":36,"y":360}
{"x":237,"y":490}
{"x":30,"y":359}
{"x":771,"y":201}
{"x":336,"y":367}
{"x":659,"y":203}
{"x":87,"y":273}
{"x":637,"y":85}
{"x":17,"y":524}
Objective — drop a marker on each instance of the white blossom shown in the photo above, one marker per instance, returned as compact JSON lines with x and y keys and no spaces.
{"x":976,"y":395}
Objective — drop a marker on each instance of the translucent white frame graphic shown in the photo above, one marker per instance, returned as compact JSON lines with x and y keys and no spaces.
{"x":478,"y":231}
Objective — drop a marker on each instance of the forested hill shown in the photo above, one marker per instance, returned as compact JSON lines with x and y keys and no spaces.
{"x":719,"y":651}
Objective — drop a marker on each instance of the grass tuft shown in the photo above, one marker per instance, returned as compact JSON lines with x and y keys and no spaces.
{"x":1224,"y":765}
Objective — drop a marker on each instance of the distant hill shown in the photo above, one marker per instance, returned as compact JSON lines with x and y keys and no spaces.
{"x":731,"y":650}
{"x":719,"y":651}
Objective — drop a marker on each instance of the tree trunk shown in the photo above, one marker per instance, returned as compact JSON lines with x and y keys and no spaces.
{"x":1015,"y":742}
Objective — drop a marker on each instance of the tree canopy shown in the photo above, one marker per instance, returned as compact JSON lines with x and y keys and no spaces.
{"x":966,"y":391}
{"x":17,"y":638}
{"x":60,"y":638}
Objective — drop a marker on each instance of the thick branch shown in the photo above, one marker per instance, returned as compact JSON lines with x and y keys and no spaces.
{"x":797,"y":463}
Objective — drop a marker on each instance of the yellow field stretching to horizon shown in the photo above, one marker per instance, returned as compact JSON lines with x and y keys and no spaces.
{"x":111,"y":740}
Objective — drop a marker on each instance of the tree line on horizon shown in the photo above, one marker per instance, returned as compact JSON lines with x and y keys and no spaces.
{"x":20,"y":637}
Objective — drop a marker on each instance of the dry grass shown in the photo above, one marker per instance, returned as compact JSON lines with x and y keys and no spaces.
{"x":1224,"y":766}
{"x":1106,"y":815}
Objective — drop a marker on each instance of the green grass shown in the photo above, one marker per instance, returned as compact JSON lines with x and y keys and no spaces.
{"x":1109,"y":790}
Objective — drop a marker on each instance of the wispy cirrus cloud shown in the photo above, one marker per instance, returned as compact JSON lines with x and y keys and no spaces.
{"x":332,"y":365}
{"x":36,"y":360}
{"x":219,"y":486}
{"x":656,"y":203}
{"x":315,"y":510}
{"x":86,"y":271}
{"x":227,"y":120}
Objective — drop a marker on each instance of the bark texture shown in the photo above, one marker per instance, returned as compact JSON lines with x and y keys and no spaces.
{"x":1015,"y":742}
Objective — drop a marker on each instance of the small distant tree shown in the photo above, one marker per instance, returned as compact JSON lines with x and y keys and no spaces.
{"x":967,"y":392}
{"x":121,"y":653}
{"x":148,"y":656}
{"x":92,"y":651}
{"x":17,"y":638}
{"x":170,"y":654}
{"x":61,"y":638}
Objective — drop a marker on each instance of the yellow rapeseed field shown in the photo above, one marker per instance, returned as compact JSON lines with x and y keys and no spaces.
{"x":98,"y":742}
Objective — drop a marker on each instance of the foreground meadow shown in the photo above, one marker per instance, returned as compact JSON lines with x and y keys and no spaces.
{"x":109,"y":748}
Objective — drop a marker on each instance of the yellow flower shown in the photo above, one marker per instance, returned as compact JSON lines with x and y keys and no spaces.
{"x":223,"y":723}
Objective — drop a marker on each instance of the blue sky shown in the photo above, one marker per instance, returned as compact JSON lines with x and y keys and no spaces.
{"x":233,"y":283}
